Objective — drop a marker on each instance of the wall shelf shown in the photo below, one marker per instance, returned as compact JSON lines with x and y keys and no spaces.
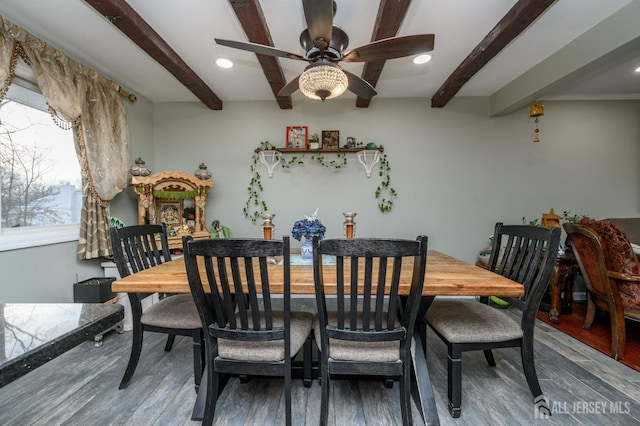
{"x":367,"y":157}
{"x":321,"y":151}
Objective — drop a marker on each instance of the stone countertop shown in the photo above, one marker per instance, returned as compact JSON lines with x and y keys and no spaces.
{"x":34,"y":333}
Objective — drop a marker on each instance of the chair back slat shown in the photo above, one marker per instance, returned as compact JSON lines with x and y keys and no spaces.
{"x":214,"y":298}
{"x":380,"y":295}
{"x":135,"y":248}
{"x":340,"y":290}
{"x":394,"y":307}
{"x":239,"y":306}
{"x":368,"y":305}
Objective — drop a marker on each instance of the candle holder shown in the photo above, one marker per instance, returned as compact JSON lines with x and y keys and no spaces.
{"x":267,"y":225}
{"x":349,"y":225}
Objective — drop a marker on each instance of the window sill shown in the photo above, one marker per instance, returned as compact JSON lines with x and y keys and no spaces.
{"x":16,"y":238}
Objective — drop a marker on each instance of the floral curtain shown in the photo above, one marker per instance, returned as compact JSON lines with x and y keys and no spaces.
{"x":92,"y":105}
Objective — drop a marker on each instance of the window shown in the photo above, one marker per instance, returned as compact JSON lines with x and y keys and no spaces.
{"x":40,"y":179}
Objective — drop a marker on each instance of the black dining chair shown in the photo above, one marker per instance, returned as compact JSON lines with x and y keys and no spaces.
{"x":371,"y":329}
{"x":246,"y":335}
{"x":525,"y":254}
{"x":139,"y":247}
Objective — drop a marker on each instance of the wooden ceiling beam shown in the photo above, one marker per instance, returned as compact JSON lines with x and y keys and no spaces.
{"x":123,"y":16}
{"x":391,"y":13}
{"x":521,"y":15}
{"x":249,"y":13}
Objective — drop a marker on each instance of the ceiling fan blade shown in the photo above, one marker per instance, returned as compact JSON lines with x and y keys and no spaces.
{"x":319,"y":16}
{"x":390,"y":48}
{"x":359,"y":86}
{"x":290,"y":87}
{"x":259,"y":48}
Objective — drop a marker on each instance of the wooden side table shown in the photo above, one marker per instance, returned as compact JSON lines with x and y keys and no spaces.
{"x":564,"y":274}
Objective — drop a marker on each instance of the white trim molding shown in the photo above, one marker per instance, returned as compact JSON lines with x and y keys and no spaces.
{"x":33,"y":236}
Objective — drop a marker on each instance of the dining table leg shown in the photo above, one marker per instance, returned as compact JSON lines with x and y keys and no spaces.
{"x":422,"y":390}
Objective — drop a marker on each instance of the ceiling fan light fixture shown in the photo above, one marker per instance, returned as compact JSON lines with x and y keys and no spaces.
{"x":323,"y":81}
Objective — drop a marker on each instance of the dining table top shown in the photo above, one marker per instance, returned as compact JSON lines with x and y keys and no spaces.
{"x":445,"y":276}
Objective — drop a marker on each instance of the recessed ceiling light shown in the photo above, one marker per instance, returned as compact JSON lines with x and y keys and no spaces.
{"x":421,"y":59}
{"x":224,"y":63}
{"x":638,"y":69}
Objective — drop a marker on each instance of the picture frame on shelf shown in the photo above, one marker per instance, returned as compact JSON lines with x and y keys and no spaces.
{"x":297,"y":137}
{"x":330,"y":140}
{"x":169,"y":212}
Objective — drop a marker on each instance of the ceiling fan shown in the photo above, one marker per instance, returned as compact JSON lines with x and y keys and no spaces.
{"x":326,"y":45}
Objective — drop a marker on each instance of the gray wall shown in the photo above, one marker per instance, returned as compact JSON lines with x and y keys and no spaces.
{"x":457,"y":172}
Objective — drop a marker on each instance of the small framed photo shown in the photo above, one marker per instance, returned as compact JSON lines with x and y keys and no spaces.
{"x":169,"y":212}
{"x":330,"y":140}
{"x":297,"y":137}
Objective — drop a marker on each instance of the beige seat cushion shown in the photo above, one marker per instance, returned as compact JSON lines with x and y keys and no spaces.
{"x":469,"y":321}
{"x":346,"y":350}
{"x":177,"y":311}
{"x":301,"y":323}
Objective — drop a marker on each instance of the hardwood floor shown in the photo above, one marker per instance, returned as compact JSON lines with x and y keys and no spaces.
{"x":81,"y":388}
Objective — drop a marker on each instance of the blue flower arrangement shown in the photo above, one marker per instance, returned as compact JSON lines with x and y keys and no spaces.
{"x":308,"y":227}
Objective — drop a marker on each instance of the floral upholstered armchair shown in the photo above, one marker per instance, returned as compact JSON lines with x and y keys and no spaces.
{"x":611,"y":272}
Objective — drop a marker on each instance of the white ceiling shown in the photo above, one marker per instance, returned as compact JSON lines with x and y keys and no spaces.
{"x":189,"y":27}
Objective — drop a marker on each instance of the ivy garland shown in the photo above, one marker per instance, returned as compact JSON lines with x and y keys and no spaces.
{"x":255,"y":204}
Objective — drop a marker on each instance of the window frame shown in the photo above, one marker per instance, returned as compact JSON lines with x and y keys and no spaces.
{"x":35,"y":236}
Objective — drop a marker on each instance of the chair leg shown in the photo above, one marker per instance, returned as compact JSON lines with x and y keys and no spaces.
{"x":529,"y":367}
{"x":287,"y":391}
{"x":488,"y":354}
{"x":591,"y":312}
{"x":134,"y":357}
{"x":198,"y":357}
{"x":325,"y":384}
{"x":618,"y":334}
{"x":454,"y":380}
{"x":170,"y":339}
{"x":405,"y":392}
{"x":212,"y":394}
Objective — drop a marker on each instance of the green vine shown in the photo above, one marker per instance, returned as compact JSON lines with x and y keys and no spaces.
{"x":341,"y":160}
{"x":255,"y":204}
{"x":385,"y":204}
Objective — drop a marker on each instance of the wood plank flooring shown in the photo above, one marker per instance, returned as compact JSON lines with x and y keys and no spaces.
{"x":584,"y":387}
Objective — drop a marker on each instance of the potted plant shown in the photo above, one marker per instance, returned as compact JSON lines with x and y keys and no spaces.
{"x":314,"y":141}
{"x":307,"y":228}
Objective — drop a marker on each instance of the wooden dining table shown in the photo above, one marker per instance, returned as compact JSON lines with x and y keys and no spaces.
{"x":445,"y":276}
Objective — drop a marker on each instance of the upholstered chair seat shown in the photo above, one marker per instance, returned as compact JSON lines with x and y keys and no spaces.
{"x":471,"y":322}
{"x":177,"y":311}
{"x":348,"y":350}
{"x":270,"y":350}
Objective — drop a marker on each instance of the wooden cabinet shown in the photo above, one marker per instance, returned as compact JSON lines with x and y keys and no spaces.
{"x":175,"y":198}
